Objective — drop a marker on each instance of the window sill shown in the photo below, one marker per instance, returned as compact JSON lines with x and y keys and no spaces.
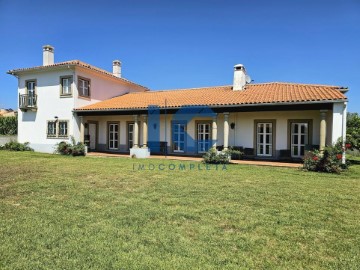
{"x":84,"y":97}
{"x":57,"y":137}
{"x":66,"y":95}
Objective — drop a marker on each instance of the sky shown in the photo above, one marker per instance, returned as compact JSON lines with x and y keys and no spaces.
{"x":167,"y":44}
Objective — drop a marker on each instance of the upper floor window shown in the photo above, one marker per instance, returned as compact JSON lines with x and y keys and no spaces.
{"x":84,"y":87}
{"x":30,"y":87}
{"x":66,"y":83}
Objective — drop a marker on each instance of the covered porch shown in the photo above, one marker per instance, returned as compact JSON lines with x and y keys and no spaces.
{"x":260,"y":132}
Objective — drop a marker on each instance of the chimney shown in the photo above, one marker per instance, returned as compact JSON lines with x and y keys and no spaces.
{"x":48,"y":55}
{"x":240,"y":77}
{"x":117,"y":68}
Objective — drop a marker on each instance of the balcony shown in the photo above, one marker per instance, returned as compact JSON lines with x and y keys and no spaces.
{"x":28,"y":102}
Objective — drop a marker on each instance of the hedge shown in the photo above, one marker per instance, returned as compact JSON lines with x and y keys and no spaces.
{"x":8,"y":125}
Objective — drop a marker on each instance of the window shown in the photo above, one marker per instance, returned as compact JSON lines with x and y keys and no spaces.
{"x":113,"y":136}
{"x":264,"y":138}
{"x":51,"y":129}
{"x":178,"y":136}
{"x":299,"y":136}
{"x":84,"y":87}
{"x":66,"y":83}
{"x":63,"y":128}
{"x":57,"y":129}
{"x":203,"y":137}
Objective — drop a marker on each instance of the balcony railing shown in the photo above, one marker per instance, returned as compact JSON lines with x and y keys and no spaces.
{"x":27,"y":102}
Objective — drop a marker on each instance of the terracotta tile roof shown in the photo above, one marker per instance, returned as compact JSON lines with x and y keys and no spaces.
{"x":262,"y":93}
{"x":73,"y":63}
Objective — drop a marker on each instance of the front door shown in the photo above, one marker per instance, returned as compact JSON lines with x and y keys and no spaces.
{"x":92,"y":134}
{"x":203,"y":137}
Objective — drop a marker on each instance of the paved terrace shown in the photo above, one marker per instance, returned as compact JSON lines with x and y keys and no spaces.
{"x":198,"y":159}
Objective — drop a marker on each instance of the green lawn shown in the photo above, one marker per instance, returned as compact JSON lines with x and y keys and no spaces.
{"x":99,"y":213}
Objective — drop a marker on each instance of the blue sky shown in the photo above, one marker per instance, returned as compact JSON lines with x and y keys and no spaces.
{"x":179,"y":44}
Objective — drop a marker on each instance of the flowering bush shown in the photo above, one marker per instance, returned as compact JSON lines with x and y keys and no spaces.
{"x":330,"y":160}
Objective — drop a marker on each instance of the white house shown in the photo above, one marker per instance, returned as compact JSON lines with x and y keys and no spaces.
{"x":111,"y":114}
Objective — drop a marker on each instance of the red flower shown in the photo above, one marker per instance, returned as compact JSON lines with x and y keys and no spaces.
{"x":348,"y":145}
{"x":315,"y":158}
{"x":339,"y":156}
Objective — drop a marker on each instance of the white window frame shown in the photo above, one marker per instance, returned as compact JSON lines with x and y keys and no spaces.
{"x":130,"y":132}
{"x":203,"y":145}
{"x":263,"y":135}
{"x":299,"y":135}
{"x":113,"y":132}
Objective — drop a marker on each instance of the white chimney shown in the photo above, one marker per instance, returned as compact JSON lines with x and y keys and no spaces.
{"x":48,"y":55}
{"x":240,"y":77}
{"x":117,"y":68}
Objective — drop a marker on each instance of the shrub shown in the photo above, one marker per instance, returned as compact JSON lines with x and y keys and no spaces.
{"x":216,"y":157}
{"x":78,"y":149}
{"x":330,"y":161}
{"x":64,"y":148}
{"x":73,"y":148}
{"x":213,"y":156}
{"x":16,"y":146}
{"x":236,"y":153}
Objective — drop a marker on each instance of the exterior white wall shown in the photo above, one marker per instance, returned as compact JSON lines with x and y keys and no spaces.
{"x":101,"y":87}
{"x":243,"y":133}
{"x":33,"y":124}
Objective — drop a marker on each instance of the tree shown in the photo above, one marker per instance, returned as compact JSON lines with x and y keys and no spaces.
{"x":353,"y":130}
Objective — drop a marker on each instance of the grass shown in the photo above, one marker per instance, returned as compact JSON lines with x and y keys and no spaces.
{"x":99,"y":213}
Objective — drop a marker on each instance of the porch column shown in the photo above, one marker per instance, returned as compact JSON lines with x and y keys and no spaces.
{"x":214,"y":131}
{"x":226,"y":131}
{"x":145,"y":131}
{"x":82,"y":129}
{"x":136,"y":132}
{"x":322,"y":129}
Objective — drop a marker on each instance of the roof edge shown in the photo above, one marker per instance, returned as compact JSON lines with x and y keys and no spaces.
{"x":221,"y":106}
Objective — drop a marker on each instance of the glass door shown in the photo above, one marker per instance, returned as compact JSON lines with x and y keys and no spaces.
{"x":264,"y":139}
{"x":113,"y":136}
{"x":203,"y":137}
{"x":299,"y":139}
{"x":130,"y":128}
{"x":178,"y":137}
{"x":31,"y":93}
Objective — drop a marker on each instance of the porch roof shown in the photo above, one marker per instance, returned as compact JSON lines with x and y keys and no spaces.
{"x":257,"y":94}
